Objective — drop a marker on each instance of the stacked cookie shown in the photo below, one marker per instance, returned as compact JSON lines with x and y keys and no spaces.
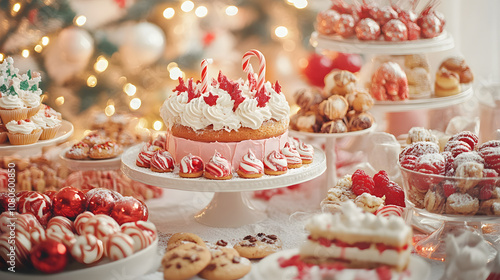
{"x":452,"y":74}
{"x":95,"y":146}
{"x":188,"y":255}
{"x":340,"y":107}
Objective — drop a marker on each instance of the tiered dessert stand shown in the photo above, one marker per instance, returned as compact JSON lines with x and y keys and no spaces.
{"x":228,"y":207}
{"x":62,"y":135}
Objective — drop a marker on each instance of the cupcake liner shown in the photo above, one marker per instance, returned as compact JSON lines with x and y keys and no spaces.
{"x":33,"y":111}
{"x":14,"y":114}
{"x":49,"y":132}
{"x":24,"y":139}
{"x":3,"y":137}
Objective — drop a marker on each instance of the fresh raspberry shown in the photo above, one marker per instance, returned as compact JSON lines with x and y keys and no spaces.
{"x":456,"y":147}
{"x":467,"y":157}
{"x":395,"y":195}
{"x":419,"y":148}
{"x":486,"y":192}
{"x":467,"y":137}
{"x":430,"y":164}
{"x":362,"y":183}
{"x":381,"y":180}
{"x":491,"y":156}
{"x":408,"y":162}
{"x":449,"y":188}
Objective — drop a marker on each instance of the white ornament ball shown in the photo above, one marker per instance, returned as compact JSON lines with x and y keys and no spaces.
{"x":143,"y":45}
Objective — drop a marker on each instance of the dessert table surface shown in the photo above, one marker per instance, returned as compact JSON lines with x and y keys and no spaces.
{"x":174,"y":212}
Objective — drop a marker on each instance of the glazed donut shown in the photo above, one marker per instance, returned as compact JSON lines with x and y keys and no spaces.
{"x":447,"y":83}
{"x":458,"y":65}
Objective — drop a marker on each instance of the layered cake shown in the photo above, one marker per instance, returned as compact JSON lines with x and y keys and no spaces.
{"x":357,"y":239}
{"x":228,"y":116}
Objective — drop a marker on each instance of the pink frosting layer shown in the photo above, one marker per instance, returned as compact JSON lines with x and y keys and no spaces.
{"x":232,"y":151}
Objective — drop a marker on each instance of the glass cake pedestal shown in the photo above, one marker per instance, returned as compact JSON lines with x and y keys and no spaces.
{"x":228,"y":207}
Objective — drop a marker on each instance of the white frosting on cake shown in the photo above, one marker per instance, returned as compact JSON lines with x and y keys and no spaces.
{"x":197,"y":114}
{"x":354,"y":224}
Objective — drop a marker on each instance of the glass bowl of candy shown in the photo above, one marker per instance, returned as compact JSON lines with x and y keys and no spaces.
{"x":458,"y":184}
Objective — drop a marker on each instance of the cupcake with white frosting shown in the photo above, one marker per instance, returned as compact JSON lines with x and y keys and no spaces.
{"x":23,"y":132}
{"x":49,"y":124}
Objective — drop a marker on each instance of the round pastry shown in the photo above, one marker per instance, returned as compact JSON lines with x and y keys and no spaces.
{"x":218,"y":168}
{"x":185,"y":261}
{"x":362,"y":101}
{"x":336,"y":126}
{"x":344,"y":26}
{"x":419,"y":82}
{"x":416,"y":61}
{"x":325,"y":21}
{"x":420,"y":134}
{"x":389,"y":82}
{"x":447,"y":83}
{"x":191,"y":167}
{"x":367,"y":29}
{"x":226,"y":264}
{"x":395,"y":30}
{"x":258,"y":246}
{"x":458,"y":65}
{"x":335,"y":107}
{"x":306,"y":152}
{"x":339,"y":82}
{"x":109,"y":149}
{"x":79,"y":150}
{"x":307,"y":98}
{"x":180,"y":238}
{"x":275,"y":163}
{"x":162,"y":161}
{"x":462,"y":204}
{"x":309,"y":122}
{"x":250,"y":166}
{"x":360,"y":121}
{"x":118,"y":246}
{"x":87,"y":249}
{"x":95,"y":138}
{"x":293,"y":158}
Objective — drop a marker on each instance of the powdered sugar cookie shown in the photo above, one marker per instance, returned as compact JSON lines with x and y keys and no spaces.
{"x":258,"y":246}
{"x":463,"y":204}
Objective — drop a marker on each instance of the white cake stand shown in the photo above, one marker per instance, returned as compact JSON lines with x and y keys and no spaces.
{"x":90,"y":164}
{"x":62,"y":135}
{"x":442,"y":42}
{"x":331,"y":157}
{"x":228,"y":208}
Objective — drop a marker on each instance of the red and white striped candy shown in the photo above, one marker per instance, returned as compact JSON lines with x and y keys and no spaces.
{"x":25,"y":222}
{"x":37,"y":204}
{"x":60,"y":222}
{"x":204,"y":70}
{"x":143,"y":233}
{"x":62,"y":235}
{"x":81,"y":219}
{"x":7,"y":219}
{"x":22,"y":248}
{"x":390,"y":210}
{"x":37,"y":235}
{"x":118,"y":246}
{"x":262,"y":66}
{"x":101,"y":226}
{"x":87,"y":249}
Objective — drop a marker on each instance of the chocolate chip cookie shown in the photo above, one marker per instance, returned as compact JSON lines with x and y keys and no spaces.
{"x":185,"y":261}
{"x":258,"y":246}
{"x":226,"y":264}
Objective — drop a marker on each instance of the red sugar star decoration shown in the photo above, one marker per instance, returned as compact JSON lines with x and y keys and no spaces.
{"x":211,"y":99}
{"x":232,"y":88}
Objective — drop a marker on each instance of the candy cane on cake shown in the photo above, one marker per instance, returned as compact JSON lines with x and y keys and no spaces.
{"x":390,"y":210}
{"x":262,"y":66}
{"x":204,"y":70}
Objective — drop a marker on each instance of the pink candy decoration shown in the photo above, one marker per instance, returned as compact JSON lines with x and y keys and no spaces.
{"x":87,"y":249}
{"x":390,"y":210}
{"x":204,"y":70}
{"x":262,"y":66}
{"x":118,"y":246}
{"x":81,"y":220}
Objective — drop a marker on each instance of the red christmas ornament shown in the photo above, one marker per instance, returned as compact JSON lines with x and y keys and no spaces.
{"x":37,"y":204}
{"x":4,"y":201}
{"x":319,"y":66}
{"x":101,"y":201}
{"x":49,"y":256}
{"x":69,"y":202}
{"x":129,"y":209}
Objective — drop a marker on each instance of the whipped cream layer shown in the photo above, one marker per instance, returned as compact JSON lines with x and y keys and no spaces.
{"x":226,"y":105}
{"x":372,"y":254}
{"x":232,"y":151}
{"x":352,"y":225}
